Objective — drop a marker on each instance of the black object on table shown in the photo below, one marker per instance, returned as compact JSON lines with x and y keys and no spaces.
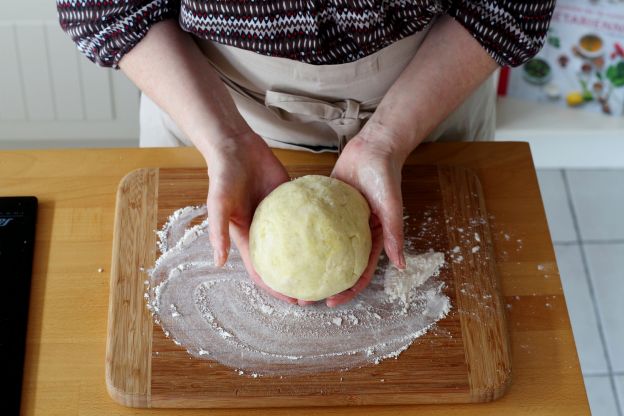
{"x":18,"y":216}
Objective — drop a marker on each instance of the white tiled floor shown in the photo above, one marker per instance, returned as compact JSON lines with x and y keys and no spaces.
{"x":598,"y":198}
{"x":619,"y":383}
{"x":601,"y":396}
{"x":606,"y":273}
{"x":584,"y":210}
{"x":557,"y":206}
{"x":581,"y":309}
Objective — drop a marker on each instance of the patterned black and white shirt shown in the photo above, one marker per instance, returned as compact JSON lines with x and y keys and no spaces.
{"x":313,"y":31}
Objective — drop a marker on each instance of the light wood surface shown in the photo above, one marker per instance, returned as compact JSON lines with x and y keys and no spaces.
{"x":128,"y":357}
{"x":466,"y":358}
{"x":66,"y":343}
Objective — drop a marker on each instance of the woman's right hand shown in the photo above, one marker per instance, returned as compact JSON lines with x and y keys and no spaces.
{"x":242,"y":170}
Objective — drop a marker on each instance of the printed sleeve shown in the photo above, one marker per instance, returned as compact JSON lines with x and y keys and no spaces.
{"x":512,"y":32}
{"x":105,"y":30}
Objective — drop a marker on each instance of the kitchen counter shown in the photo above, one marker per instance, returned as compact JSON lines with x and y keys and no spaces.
{"x":64,"y":371}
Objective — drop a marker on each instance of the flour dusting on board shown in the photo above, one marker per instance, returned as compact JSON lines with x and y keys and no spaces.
{"x":219,"y":314}
{"x":400,"y":284}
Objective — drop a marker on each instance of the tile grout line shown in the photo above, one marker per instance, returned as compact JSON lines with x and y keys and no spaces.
{"x":591,"y":290}
{"x":589,"y":242}
{"x":612,"y":241}
{"x":600,"y":374}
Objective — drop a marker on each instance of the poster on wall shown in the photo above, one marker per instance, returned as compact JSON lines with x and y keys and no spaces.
{"x":582,"y":63}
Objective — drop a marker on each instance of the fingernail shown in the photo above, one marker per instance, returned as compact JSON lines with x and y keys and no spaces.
{"x":218,"y":258}
{"x":402,"y":264}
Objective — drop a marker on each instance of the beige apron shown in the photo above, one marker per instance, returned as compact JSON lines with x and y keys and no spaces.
{"x":294,"y":105}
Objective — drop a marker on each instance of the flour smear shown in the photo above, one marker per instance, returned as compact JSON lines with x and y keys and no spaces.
{"x":219,"y":314}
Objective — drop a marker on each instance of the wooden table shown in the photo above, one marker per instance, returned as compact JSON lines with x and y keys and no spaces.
{"x":64,"y":371}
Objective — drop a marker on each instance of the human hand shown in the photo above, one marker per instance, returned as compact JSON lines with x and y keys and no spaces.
{"x":371,"y":162}
{"x":242,"y":170}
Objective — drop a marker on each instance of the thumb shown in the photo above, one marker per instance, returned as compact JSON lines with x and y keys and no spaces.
{"x":219,"y":219}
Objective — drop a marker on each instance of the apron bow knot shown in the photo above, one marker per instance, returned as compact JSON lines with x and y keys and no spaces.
{"x":343,"y":117}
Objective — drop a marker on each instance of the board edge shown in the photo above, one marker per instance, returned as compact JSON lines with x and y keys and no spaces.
{"x":133,"y":387}
{"x":490,"y":383}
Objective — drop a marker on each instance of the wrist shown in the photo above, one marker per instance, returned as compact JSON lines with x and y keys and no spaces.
{"x":215,"y":141}
{"x":386,"y":139}
{"x":210,"y":117}
{"x":238,"y":146}
{"x":396,"y":117}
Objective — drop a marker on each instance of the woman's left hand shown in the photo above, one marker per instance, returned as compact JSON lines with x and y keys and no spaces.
{"x":371,"y":162}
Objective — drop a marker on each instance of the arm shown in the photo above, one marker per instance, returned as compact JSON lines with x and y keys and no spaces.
{"x":144,"y":39}
{"x":458,"y":55}
{"x":169,"y":67}
{"x":452,"y":61}
{"x":420,"y":99}
{"x":448,"y":67}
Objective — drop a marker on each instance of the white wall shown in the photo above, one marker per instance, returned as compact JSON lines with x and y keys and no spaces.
{"x":50,"y":95}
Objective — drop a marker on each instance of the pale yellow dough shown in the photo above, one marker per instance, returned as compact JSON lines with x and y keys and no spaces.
{"x":310,"y":237}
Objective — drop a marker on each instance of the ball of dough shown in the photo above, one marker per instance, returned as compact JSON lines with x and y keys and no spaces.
{"x":310,"y":237}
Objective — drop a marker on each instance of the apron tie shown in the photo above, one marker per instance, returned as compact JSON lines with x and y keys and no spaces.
{"x":343,"y":117}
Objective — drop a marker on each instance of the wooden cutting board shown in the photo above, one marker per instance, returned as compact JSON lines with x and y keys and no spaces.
{"x":466,"y":358}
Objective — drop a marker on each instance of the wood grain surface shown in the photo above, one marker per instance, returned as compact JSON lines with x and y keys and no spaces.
{"x":128,"y":357}
{"x":466,"y":358}
{"x":66,"y":342}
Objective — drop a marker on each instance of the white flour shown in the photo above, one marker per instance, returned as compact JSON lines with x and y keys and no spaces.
{"x":219,"y":314}
{"x":399,"y":284}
